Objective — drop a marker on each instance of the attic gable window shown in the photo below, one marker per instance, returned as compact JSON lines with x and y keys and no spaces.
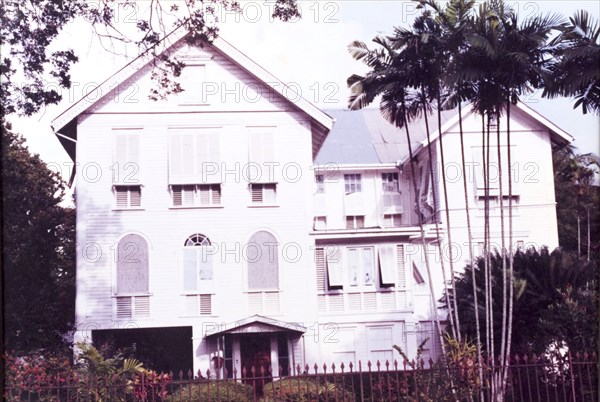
{"x":128,"y":197}
{"x":193,"y":81}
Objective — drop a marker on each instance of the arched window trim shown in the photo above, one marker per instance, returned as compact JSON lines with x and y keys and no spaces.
{"x":247,"y":263}
{"x":113,"y":255}
{"x":199,"y":278}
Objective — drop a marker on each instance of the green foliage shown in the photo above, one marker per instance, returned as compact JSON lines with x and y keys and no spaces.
{"x":35,"y":66}
{"x":213,"y":391}
{"x":95,"y":378}
{"x":39,"y":251}
{"x":575,"y":70}
{"x":576,"y":197}
{"x":305,"y":390}
{"x":31,"y":377}
{"x":541,"y":278}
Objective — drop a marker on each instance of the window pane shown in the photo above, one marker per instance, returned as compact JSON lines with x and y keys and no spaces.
{"x":368,"y":266}
{"x":269,"y":193}
{"x":190,"y":276}
{"x":205,"y":263}
{"x":135,"y":194}
{"x":353,"y":266}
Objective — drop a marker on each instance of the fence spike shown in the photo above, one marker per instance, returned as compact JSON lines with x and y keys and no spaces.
{"x":208,"y":374}
{"x":181,"y":374}
{"x":244,"y":371}
{"x":378,"y":365}
{"x":360,"y":365}
{"x":341,"y":367}
{"x":351,"y":366}
{"x":387,"y":365}
{"x":585,"y":356}
{"x":525,"y":358}
{"x":517,"y":358}
{"x":306,"y":368}
{"x":253,"y":371}
{"x":333,"y":368}
{"x":395,"y":364}
{"x":324,"y":368}
{"x":369,"y":364}
{"x":534,"y":358}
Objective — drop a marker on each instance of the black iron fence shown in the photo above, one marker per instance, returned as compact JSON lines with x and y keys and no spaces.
{"x":529,"y":378}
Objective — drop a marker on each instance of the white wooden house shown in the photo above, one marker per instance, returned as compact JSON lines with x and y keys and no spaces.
{"x":237,"y":225}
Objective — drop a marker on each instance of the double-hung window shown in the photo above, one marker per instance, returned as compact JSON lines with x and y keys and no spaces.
{"x":361,"y":267}
{"x":260,"y":169}
{"x":263,"y":193}
{"x":194,"y":167}
{"x":196,"y":195}
{"x":128,"y":196}
{"x":352,"y":183}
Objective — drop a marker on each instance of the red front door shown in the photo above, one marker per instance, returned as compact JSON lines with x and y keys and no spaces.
{"x":256,"y":360}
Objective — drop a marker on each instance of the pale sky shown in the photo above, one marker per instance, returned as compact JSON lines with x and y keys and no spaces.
{"x":310,"y":54}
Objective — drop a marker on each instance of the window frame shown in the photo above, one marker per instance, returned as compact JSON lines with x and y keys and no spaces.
{"x":356,"y":222}
{"x":362,"y":286}
{"x":128,"y":187}
{"x":197,"y":195}
{"x":352,"y":183}
{"x":262,"y":202}
{"x":203,"y":286}
{"x":263,"y":289}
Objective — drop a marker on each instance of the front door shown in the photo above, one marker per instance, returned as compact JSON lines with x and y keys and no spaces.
{"x":256,"y":354}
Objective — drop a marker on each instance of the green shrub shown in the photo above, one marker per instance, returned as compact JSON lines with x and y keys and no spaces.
{"x":212,"y":391}
{"x":305,"y":390}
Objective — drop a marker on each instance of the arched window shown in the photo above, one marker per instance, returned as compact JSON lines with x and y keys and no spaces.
{"x":132,"y":265}
{"x":197,"y":263}
{"x":263,"y":261}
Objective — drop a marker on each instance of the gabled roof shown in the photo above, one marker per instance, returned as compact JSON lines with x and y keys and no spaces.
{"x":365,"y":137}
{"x":256,"y":324}
{"x":558,"y":135}
{"x":61,"y":123}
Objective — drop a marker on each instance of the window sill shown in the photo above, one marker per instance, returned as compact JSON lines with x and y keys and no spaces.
{"x":197,"y":207}
{"x":129,"y":209}
{"x":198,"y":293}
{"x":263,"y":206}
{"x":131,"y":294}
{"x":262,"y":291}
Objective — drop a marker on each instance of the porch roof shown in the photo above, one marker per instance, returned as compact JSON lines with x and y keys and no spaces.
{"x":253,"y":325}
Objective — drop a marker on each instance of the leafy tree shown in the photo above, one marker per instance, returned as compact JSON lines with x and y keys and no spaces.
{"x":577,"y":200}
{"x":39,"y":251}
{"x":34,"y":65}
{"x":554,"y":300}
{"x":575,"y":70}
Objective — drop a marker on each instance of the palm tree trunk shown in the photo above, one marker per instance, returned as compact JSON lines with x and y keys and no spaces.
{"x":470,"y":240}
{"x":437,"y":230}
{"x":510,"y":249}
{"x":503,"y":256}
{"x":454,"y":308}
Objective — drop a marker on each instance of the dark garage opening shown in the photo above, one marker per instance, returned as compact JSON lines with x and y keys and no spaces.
{"x":160,"y":349}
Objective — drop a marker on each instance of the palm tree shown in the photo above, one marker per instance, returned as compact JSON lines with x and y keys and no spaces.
{"x":505,"y":59}
{"x":576,"y":72}
{"x":396,"y":75}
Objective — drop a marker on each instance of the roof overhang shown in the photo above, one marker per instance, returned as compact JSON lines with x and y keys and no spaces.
{"x":558,"y":136}
{"x":255,"y":324}
{"x":63,"y":123}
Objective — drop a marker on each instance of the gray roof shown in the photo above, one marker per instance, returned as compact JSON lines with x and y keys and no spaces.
{"x":364,"y":136}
